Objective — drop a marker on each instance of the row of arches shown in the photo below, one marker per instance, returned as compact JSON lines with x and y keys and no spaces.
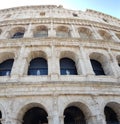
{"x":62,"y":31}
{"x":74,"y":113}
{"x":39,"y":65}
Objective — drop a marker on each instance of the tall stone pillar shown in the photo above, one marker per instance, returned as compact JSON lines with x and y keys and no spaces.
{"x":29,"y":32}
{"x":85,"y":64}
{"x":74,"y":32}
{"x":113,"y":36}
{"x":55,"y":109}
{"x":19,"y":63}
{"x":113,"y":64}
{"x":51,"y":32}
{"x":96,"y":34}
{"x":54,"y":68}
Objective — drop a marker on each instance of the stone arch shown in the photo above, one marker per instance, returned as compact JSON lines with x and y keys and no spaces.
{"x":40,"y":31}
{"x":83,"y":107}
{"x":27,"y":107}
{"x":38,"y":66}
{"x":6,"y":63}
{"x":104,"y":61}
{"x":85,"y":33}
{"x":63,"y":31}
{"x":70,"y":55}
{"x":115,"y":107}
{"x":105,"y":35}
{"x":15,"y":30}
{"x":33,"y":55}
{"x":6,"y":55}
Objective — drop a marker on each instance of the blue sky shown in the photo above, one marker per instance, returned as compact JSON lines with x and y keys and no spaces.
{"x":111,"y":7}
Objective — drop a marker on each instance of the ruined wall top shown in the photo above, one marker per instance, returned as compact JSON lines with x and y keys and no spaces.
{"x":54,"y":11}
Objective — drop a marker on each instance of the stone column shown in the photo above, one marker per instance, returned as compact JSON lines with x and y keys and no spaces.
{"x":85,"y":64}
{"x":113,"y":64}
{"x":96,"y":34}
{"x":29,"y":32}
{"x":113,"y":36}
{"x":54,"y":68}
{"x":55,"y":109}
{"x":74,"y":32}
{"x":19,"y":63}
{"x":51,"y":31}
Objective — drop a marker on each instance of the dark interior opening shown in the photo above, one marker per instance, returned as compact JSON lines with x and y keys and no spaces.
{"x":111,"y":116}
{"x":5,"y":67}
{"x":38,"y":66}
{"x":18,"y":35}
{"x":35,"y":115}
{"x":67,"y":67}
{"x":97,"y":67}
{"x":74,"y":115}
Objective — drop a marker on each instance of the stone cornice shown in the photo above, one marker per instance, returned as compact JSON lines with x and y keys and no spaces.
{"x":76,"y":88}
{"x":39,"y":7}
{"x":100,"y":14}
{"x":69,"y":21}
{"x":73,"y":42}
{"x":34,"y":7}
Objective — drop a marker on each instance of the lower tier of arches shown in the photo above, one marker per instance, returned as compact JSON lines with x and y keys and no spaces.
{"x":60,"y":109}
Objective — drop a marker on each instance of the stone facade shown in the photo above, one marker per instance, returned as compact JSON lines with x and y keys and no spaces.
{"x":86,"y":35}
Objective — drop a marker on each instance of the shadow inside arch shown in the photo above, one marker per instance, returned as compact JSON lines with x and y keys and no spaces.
{"x":33,"y":113}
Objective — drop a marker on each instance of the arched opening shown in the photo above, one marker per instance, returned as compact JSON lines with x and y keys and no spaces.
{"x":41,"y":31}
{"x":85,"y":33}
{"x":6,"y":67}
{"x":38,"y":66}
{"x":110,"y":115}
{"x":105,"y":35}
{"x":35,"y":115}
{"x":97,"y":67}
{"x":18,"y":35}
{"x":62,"y":31}
{"x":17,"y":32}
{"x":73,"y":115}
{"x":67,"y":67}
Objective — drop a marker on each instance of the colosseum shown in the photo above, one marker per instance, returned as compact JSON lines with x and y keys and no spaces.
{"x":59,"y":66}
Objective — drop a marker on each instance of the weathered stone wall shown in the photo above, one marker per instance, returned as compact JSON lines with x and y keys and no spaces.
{"x":54,"y":92}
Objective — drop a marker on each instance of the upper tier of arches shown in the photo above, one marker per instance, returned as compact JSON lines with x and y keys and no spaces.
{"x":60,"y":31}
